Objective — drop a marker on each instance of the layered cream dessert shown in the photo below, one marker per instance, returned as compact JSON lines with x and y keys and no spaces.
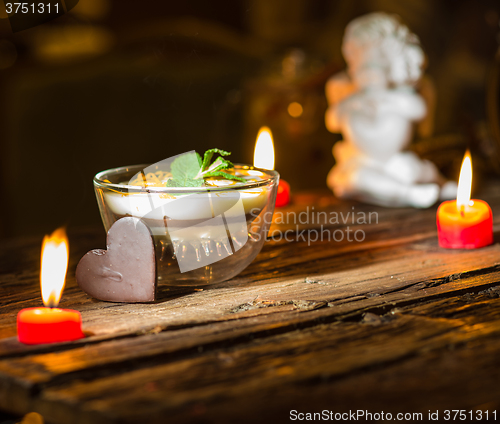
{"x":198,"y":224}
{"x":155,"y":204}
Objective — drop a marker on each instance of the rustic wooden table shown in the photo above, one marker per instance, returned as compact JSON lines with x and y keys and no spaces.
{"x":389,"y":324}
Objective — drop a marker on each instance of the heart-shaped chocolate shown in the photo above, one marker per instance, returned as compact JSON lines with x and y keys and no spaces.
{"x":126,"y":271}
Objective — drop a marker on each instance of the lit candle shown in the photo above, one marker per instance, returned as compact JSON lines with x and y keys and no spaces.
{"x":51,"y":324}
{"x":264,"y":158}
{"x":465,"y":223}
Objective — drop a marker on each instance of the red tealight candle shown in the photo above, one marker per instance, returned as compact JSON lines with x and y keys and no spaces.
{"x":465,"y":223}
{"x":264,"y":158}
{"x":51,"y":324}
{"x":283,"y":195}
{"x":48,"y":325}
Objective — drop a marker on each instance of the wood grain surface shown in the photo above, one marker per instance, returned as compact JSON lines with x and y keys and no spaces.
{"x":392,"y":323}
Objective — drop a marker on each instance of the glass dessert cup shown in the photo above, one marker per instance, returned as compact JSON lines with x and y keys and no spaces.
{"x":202,"y":235}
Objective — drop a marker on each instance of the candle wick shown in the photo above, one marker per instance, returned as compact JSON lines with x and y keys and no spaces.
{"x":51,"y":303}
{"x":462,"y":210}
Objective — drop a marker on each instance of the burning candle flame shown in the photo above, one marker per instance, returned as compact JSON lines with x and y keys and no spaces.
{"x":264,"y":150}
{"x":55,"y":254}
{"x":464,"y":182}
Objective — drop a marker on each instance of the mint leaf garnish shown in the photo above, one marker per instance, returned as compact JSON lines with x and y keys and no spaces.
{"x":207,"y":157}
{"x":189,"y":170}
{"x":219,"y":164}
{"x":185,"y":168}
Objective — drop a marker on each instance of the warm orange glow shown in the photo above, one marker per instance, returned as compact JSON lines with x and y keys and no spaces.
{"x":264,"y":150}
{"x":464,"y":182}
{"x":55,"y":254}
{"x":295,"y":109}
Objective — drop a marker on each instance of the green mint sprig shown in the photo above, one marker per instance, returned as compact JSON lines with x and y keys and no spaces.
{"x":189,"y":170}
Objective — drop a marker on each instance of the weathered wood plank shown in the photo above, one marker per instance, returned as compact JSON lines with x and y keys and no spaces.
{"x":358,"y":287}
{"x":345,"y":292}
{"x":226,"y":382}
{"x":293,"y":318}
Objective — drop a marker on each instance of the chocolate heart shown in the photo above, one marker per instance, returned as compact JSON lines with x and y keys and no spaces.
{"x":126,"y":272}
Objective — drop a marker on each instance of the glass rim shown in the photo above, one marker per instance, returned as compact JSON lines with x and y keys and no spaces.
{"x":99,"y":182}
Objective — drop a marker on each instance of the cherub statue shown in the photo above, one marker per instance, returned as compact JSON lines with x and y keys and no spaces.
{"x":375,"y":105}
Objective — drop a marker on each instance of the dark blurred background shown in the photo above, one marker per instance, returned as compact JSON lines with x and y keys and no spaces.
{"x":116,"y":82}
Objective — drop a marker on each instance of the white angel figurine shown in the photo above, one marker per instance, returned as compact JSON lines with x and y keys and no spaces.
{"x":375,"y":105}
